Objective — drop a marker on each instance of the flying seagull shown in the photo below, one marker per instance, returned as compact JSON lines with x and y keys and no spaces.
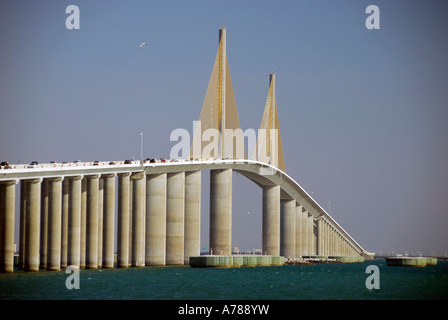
{"x":142,"y":45}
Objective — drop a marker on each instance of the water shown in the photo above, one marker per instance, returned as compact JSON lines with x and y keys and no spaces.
{"x":307,"y":282}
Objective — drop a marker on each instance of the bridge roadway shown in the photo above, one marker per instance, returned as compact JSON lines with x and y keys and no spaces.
{"x":320,"y":233}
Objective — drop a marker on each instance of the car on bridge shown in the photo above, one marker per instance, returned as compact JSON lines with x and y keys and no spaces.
{"x":127,"y":162}
{"x":33,"y":164}
{"x":5,"y":165}
{"x":95,"y":163}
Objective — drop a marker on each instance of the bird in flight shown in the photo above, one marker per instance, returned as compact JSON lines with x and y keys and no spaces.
{"x":142,"y":45}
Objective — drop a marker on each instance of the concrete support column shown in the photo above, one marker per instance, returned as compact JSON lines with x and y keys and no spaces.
{"x":305,"y":234}
{"x":288,"y":228}
{"x":108,"y":220}
{"x":271,"y":221}
{"x":74,"y":222}
{"x":22,"y":226}
{"x":319,"y":237}
{"x":54,"y":223}
{"x":131,"y":214}
{"x":298,"y":218}
{"x":7,"y":213}
{"x":83,"y":222}
{"x":43,"y":224}
{"x":311,"y":250}
{"x":339,"y":244}
{"x":64,"y":223}
{"x":123,"y":220}
{"x":314,"y":236}
{"x":192,"y":245}
{"x":324,"y":237}
{"x":332,"y":242}
{"x":221,"y":211}
{"x":137,"y":257}
{"x":175,"y":215}
{"x":100,"y":221}
{"x":32,"y":238}
{"x":92,"y":185}
{"x":155,"y":245}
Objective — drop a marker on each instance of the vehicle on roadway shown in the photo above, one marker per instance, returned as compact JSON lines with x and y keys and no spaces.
{"x":5,"y":165}
{"x":33,"y":164}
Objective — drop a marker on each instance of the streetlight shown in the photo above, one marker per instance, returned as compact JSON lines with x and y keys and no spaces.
{"x":141,"y":146}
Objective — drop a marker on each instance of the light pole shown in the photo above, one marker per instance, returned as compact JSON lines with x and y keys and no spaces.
{"x":141,"y":146}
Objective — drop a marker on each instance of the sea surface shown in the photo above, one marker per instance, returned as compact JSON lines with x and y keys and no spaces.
{"x":322,"y":281}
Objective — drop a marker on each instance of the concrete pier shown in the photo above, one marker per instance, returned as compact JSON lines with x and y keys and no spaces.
{"x":64,"y":222}
{"x":298,"y":218}
{"x":137,"y":256}
{"x":108,"y":220}
{"x":271,"y":220}
{"x":123,"y":220}
{"x":82,"y":255}
{"x":100,"y":221}
{"x":32,"y":239}
{"x":22,"y":225}
{"x":192,"y":245}
{"x":221,"y":211}
{"x":54,"y":224}
{"x":7,"y":209}
{"x":311,"y":245}
{"x":305,"y":233}
{"x":92,"y":222}
{"x":288,"y":228}
{"x":43,"y":225}
{"x":155,"y":248}
{"x":74,"y":222}
{"x":175,"y":211}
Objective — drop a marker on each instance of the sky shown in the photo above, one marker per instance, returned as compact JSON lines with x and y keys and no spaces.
{"x":363,"y":112}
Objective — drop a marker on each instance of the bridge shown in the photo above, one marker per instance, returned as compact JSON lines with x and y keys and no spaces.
{"x":67,"y":210}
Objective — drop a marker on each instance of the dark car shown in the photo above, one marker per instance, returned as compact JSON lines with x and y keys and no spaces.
{"x":127,"y":162}
{"x":4,"y":163}
{"x":152,"y":160}
{"x":111,"y":163}
{"x":95,"y":163}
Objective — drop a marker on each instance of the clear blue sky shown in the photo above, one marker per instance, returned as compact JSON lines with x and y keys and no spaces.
{"x":363,"y":113}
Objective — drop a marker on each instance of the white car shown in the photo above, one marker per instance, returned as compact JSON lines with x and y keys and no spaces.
{"x":33,"y":164}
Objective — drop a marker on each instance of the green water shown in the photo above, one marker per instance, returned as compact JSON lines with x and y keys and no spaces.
{"x":308,"y":282}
